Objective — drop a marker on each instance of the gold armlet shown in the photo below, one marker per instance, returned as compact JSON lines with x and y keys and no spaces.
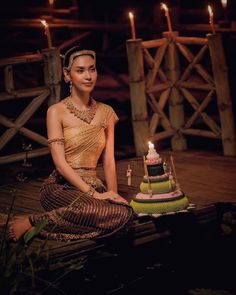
{"x":56,"y":140}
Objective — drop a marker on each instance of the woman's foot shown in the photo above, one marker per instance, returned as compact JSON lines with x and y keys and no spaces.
{"x":18,"y":227}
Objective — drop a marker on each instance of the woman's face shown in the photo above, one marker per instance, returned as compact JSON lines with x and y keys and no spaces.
{"x":83,"y":73}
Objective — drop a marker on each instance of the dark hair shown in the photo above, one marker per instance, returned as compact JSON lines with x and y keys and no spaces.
{"x":70,"y":52}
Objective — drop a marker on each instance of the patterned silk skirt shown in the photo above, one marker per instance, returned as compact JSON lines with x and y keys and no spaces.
{"x":72,"y":214}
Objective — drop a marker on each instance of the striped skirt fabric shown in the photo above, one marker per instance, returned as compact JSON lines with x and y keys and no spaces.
{"x":72,"y":214}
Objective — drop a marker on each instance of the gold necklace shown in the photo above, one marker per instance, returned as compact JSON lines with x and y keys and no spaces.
{"x":85,"y":115}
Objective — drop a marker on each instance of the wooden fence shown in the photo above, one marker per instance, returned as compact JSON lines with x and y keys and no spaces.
{"x":50,"y":92}
{"x":166,"y":87}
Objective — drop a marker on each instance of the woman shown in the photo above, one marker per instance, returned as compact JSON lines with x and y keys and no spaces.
{"x":80,"y":130}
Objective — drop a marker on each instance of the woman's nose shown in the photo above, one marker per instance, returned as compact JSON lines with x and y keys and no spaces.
{"x":88,"y":75}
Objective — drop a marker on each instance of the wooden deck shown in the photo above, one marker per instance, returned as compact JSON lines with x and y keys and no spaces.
{"x":207,"y":179}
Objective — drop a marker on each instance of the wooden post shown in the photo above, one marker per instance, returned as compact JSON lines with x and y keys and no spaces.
{"x":8,"y":77}
{"x":176,"y":109}
{"x":220,"y":72}
{"x":52,"y":73}
{"x":137,"y":95}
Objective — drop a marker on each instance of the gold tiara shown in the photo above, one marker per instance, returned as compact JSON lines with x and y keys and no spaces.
{"x":79,"y":53}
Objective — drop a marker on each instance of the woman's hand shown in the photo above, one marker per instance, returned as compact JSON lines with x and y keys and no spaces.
{"x":111,"y":196}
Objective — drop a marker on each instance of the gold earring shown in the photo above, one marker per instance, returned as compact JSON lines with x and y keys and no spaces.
{"x":70,"y":86}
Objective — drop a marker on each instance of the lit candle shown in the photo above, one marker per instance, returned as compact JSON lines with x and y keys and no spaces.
{"x":211,"y":19}
{"x":47,"y":33}
{"x":131,"y":18}
{"x":150,"y":145}
{"x":224,"y":3}
{"x":167,"y":14}
{"x":51,"y":4}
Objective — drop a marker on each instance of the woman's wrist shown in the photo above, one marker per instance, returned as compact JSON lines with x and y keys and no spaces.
{"x":91,"y":191}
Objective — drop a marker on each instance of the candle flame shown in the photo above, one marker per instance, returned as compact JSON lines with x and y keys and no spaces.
{"x":224,"y":3}
{"x":131,"y":15}
{"x":164,"y":6}
{"x":44,"y":23}
{"x":210,"y":10}
{"x":150,"y":145}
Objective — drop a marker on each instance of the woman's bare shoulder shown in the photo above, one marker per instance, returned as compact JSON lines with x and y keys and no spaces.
{"x":56,"y":109}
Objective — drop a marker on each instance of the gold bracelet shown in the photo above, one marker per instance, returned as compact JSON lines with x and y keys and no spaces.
{"x":56,"y":140}
{"x":91,"y":191}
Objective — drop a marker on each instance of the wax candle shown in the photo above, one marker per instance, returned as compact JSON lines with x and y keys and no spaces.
{"x":211,"y":19}
{"x":131,"y":18}
{"x":224,"y":3}
{"x":167,"y":14}
{"x":47,"y":33}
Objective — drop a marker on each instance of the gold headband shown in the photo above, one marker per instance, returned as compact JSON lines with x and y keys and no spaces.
{"x":79,"y":53}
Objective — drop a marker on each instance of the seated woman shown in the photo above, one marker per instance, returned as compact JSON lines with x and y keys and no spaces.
{"x":80,"y":130}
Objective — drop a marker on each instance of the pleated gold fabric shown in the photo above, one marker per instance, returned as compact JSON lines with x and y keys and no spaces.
{"x":72,"y":214}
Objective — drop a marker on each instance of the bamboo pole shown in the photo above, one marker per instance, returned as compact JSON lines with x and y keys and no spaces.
{"x":8,"y":79}
{"x":21,"y":156}
{"x":199,"y":132}
{"x":138,"y":95}
{"x":199,"y":68}
{"x":158,"y":87}
{"x":195,"y":85}
{"x":25,"y":131}
{"x":151,"y":63}
{"x":162,"y":135}
{"x":153,"y":43}
{"x":193,"y":63}
{"x":220,"y":72}
{"x":203,"y":105}
{"x":194,"y":103}
{"x":23,"y":118}
{"x":176,"y":110}
{"x":52,"y":73}
{"x":157,"y":62}
{"x":23,"y":93}
{"x":21,"y":59}
{"x":155,"y":106}
{"x":191,"y":40}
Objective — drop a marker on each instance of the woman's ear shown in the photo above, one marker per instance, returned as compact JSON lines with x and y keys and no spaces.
{"x":66,"y":75}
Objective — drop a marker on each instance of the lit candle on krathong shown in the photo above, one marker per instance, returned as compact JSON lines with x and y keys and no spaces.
{"x":47,"y":33}
{"x":167,"y":14}
{"x":131,"y":18}
{"x":211,"y":19}
{"x":150,"y":145}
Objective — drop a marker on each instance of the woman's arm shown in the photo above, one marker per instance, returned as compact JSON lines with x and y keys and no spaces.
{"x":54,"y":129}
{"x":109,"y":159}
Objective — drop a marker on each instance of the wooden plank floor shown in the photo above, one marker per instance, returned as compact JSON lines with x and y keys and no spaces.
{"x":206,"y":178}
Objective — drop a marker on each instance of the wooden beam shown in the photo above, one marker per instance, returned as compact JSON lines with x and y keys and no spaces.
{"x":176,"y":109}
{"x":138,"y":95}
{"x":220,"y":72}
{"x":21,"y":156}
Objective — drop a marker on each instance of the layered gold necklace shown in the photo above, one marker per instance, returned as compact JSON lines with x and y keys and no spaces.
{"x":84,"y":115}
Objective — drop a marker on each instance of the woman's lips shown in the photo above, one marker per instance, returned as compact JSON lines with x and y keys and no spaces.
{"x":88,"y":84}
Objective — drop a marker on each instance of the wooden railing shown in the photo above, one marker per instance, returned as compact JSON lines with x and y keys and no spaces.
{"x":50,"y":92}
{"x":168,"y":86}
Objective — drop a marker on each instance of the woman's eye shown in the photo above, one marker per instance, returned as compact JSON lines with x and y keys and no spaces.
{"x":92,"y":69}
{"x":80,"y":71}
